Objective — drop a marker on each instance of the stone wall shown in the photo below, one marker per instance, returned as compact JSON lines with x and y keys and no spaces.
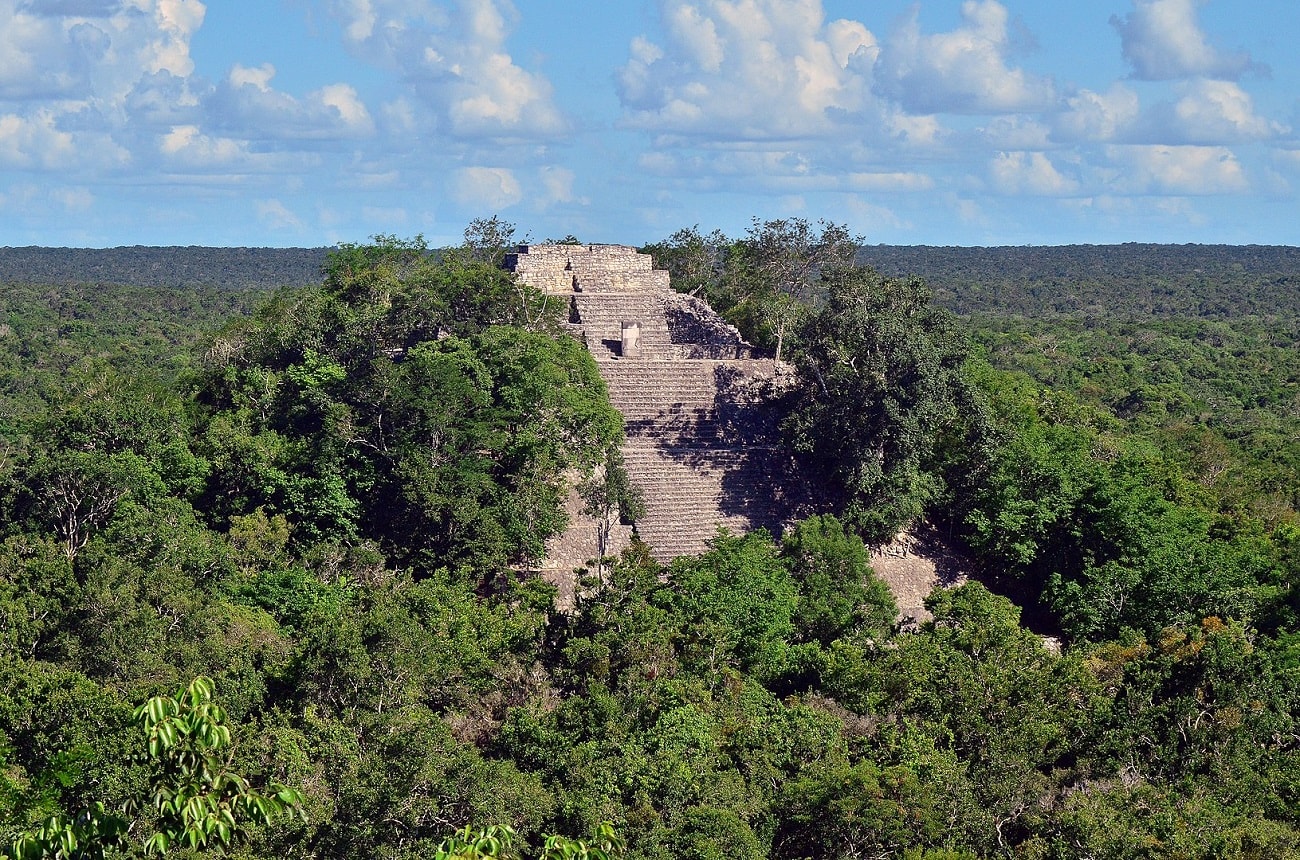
{"x":586,"y":268}
{"x":698,"y":332}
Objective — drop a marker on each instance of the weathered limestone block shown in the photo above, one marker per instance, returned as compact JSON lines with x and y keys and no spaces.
{"x":631,"y":334}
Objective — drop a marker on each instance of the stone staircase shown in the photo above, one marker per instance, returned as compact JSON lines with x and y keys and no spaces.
{"x":598,"y":317}
{"x":699,"y":448}
{"x":701,"y":441}
{"x":692,"y":403}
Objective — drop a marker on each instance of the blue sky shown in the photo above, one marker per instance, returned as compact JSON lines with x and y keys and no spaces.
{"x":986,"y":122}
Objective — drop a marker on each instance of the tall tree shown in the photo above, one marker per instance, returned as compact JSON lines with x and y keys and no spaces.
{"x":880,"y":388}
{"x":838,"y":592}
{"x":423,"y":404}
{"x":785,"y":262}
{"x":695,"y":261}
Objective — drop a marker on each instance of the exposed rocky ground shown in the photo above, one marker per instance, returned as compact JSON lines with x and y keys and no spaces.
{"x":915,"y":563}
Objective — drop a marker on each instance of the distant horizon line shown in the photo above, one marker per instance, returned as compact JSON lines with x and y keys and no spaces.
{"x":626,"y":245}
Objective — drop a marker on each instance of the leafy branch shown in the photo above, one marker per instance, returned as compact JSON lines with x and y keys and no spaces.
{"x":199,"y":801}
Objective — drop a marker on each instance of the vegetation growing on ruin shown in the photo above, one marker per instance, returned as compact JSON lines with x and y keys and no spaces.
{"x":329,"y":507}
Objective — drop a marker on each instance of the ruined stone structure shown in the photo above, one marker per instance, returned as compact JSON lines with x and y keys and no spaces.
{"x":700,"y":437}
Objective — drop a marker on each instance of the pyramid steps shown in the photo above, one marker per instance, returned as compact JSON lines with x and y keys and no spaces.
{"x":697,"y":490}
{"x":601,"y":317}
{"x":699,"y":442}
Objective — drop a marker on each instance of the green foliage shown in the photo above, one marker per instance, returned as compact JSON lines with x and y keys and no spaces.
{"x":490,"y":843}
{"x":58,"y":332}
{"x":418,"y":403}
{"x":1215,"y":397}
{"x":781,"y":263}
{"x":91,"y":835}
{"x":333,"y":512}
{"x":1197,"y":699}
{"x":880,"y":389}
{"x":1104,"y":282}
{"x":488,"y":240}
{"x":838,"y":592}
{"x":496,"y":842}
{"x":764,"y":282}
{"x":1109,"y":536}
{"x":858,"y":810}
{"x":694,"y":263}
{"x":199,"y":802}
{"x":739,"y":600}
{"x":194,"y":799}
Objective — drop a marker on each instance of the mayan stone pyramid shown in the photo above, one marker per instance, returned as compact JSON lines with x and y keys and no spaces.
{"x":701,"y":442}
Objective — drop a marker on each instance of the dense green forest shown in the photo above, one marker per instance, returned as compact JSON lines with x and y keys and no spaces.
{"x":1218,"y":281}
{"x":169,"y":268}
{"x":327,"y":499}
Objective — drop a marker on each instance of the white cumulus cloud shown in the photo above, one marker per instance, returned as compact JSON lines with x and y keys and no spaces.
{"x":456,"y":63}
{"x":245,"y":104}
{"x":188,"y":145}
{"x":191,"y":150}
{"x":75,"y":73}
{"x":1178,"y":170}
{"x":1213,"y":111}
{"x":1029,"y":173}
{"x":486,"y":188}
{"x":962,"y":71}
{"x":258,"y":78}
{"x":1162,"y":40}
{"x":748,"y":69}
{"x":35,"y":142}
{"x":177,"y":21}
{"x":1203,"y":111}
{"x":1092,"y":116}
{"x":80,"y":49}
